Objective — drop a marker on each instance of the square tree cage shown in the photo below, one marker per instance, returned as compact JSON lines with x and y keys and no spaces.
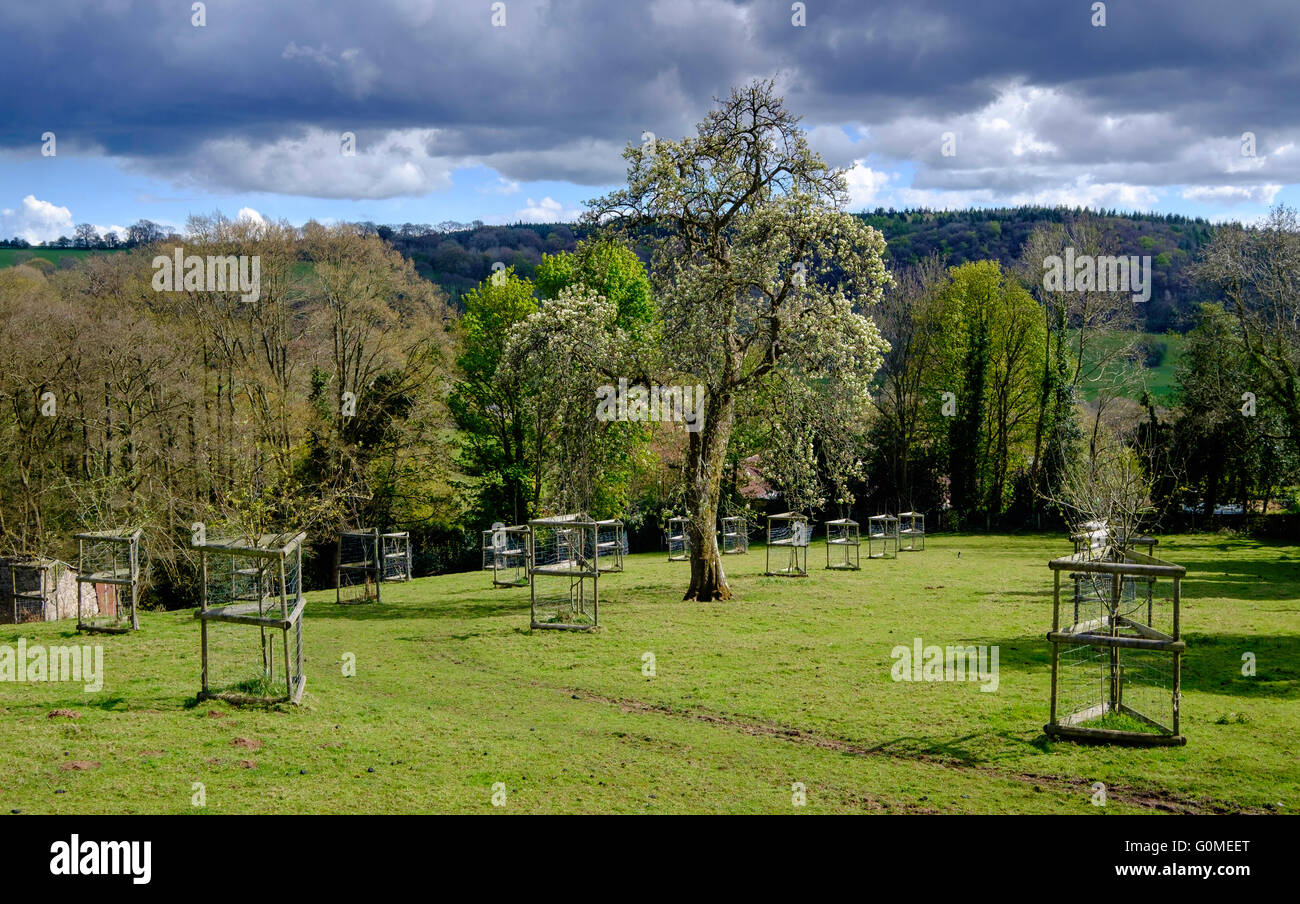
{"x":564,"y":575}
{"x":611,"y":545}
{"x":511,"y":547}
{"x":28,"y":588}
{"x":395,"y":556}
{"x":679,"y":541}
{"x":842,"y":544}
{"x":109,"y":562}
{"x":252,"y":582}
{"x":911,"y":532}
{"x":882,"y":537}
{"x":1116,"y":650}
{"x":735,"y":536}
{"x":788,"y":536}
{"x":365,"y":559}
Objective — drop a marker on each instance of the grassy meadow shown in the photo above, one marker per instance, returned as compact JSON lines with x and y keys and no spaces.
{"x":788,"y":683}
{"x":1161,"y":380}
{"x":10,"y":256}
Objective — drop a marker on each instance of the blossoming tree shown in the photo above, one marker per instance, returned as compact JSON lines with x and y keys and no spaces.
{"x":762,"y":283}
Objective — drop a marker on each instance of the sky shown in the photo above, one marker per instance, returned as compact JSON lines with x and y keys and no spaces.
{"x":519,"y":110}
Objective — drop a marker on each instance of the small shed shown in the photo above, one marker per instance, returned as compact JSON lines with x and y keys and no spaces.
{"x":37,"y":589}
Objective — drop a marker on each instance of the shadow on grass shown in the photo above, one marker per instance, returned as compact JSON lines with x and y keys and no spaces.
{"x":957,"y":750}
{"x":1212,"y":664}
{"x":443,"y":607}
{"x":1246,"y":581}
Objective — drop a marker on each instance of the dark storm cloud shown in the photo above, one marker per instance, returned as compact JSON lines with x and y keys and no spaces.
{"x":558,"y":91}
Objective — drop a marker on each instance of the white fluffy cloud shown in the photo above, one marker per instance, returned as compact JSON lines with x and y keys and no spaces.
{"x":248,"y":213}
{"x":547,"y":210}
{"x":36,"y":221}
{"x":120,"y":231}
{"x":1233,"y":194}
{"x":1036,"y":145}
{"x":395,"y":164}
{"x":865,"y":184}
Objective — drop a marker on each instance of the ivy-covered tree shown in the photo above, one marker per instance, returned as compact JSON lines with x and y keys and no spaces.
{"x":500,"y":444}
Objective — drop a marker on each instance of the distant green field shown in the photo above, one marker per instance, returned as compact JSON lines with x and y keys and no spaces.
{"x":788,"y":683}
{"x":8,"y":256}
{"x":1159,"y":380}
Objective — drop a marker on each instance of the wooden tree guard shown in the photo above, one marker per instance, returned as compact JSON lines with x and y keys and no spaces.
{"x":109,"y":560}
{"x":395,"y":556}
{"x":911,"y":532}
{"x":842,"y":544}
{"x":788,"y":535}
{"x":357,"y":572}
{"x":512,"y":549}
{"x":882,"y":533}
{"x":365,"y":559}
{"x":611,"y":545}
{"x":735,"y":536}
{"x":1110,"y":631}
{"x":256,"y":581}
{"x":563,"y":574}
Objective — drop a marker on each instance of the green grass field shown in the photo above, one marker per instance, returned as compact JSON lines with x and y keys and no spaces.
{"x":8,"y":256}
{"x":790,"y":682}
{"x":1161,"y":380}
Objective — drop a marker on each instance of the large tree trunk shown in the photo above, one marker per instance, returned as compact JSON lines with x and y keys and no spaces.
{"x":706,"y":458}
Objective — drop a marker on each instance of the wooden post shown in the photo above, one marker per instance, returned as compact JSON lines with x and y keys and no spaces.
{"x":379,"y":566}
{"x":1116,"y":589}
{"x":203,"y":623}
{"x":284,"y":610}
{"x":81,"y":563}
{"x":135,"y":583}
{"x":260,"y":590}
{"x":1056,"y":626}
{"x":1178,"y":657}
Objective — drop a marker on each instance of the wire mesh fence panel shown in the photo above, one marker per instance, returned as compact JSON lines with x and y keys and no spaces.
{"x":842,"y":544}
{"x":250,"y":586}
{"x":560,"y":602}
{"x":1115,"y":689}
{"x":241,"y":662}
